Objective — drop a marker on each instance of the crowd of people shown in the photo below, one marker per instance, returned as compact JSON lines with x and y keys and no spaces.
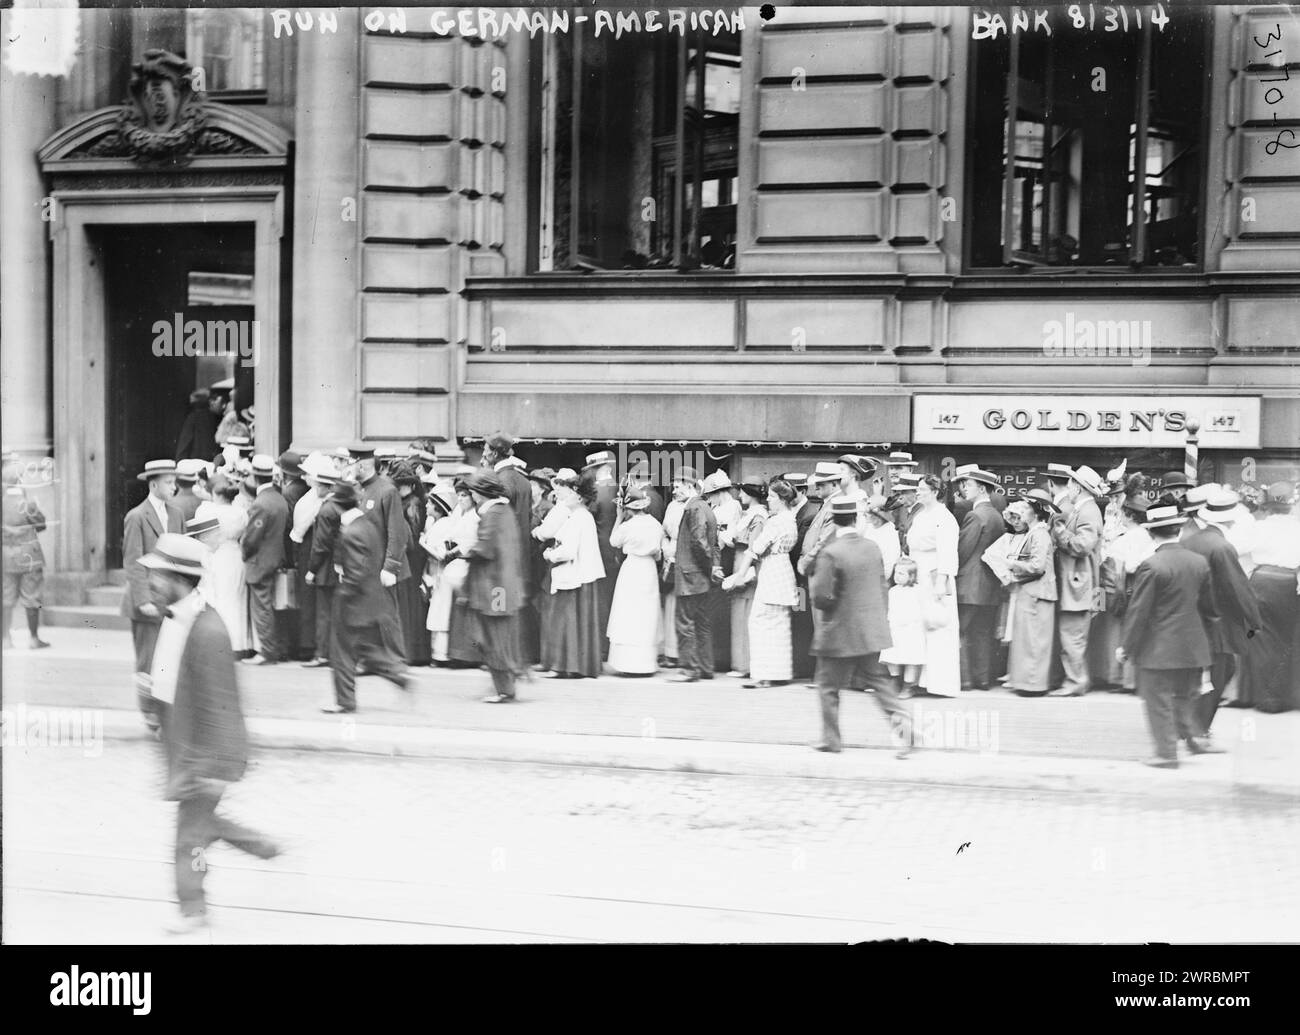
{"x":573,"y":573}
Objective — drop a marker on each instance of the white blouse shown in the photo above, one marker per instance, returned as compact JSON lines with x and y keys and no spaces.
{"x":934,"y":531}
{"x":576,"y":554}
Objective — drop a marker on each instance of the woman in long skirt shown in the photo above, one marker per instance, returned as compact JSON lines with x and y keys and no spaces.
{"x":571,"y":647}
{"x":932,"y":543}
{"x":444,"y":530}
{"x":634,"y":614}
{"x":462,"y":627}
{"x":226,"y":566}
{"x":412,"y":605}
{"x":1032,"y":605}
{"x":753,"y":497}
{"x":1271,"y":678}
{"x":771,"y":660}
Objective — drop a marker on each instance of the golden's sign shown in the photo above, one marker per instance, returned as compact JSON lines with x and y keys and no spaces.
{"x":1226,"y":422}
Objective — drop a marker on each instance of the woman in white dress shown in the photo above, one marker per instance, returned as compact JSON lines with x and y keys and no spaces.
{"x":633,"y":628}
{"x":459,"y":529}
{"x":932,"y":543}
{"x":753,"y":495}
{"x":775,"y":592}
{"x":228,"y":590}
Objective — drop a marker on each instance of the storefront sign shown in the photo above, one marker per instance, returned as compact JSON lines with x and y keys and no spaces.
{"x":1069,"y":421}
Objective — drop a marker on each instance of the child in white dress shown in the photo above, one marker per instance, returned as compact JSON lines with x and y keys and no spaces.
{"x":906,"y":627}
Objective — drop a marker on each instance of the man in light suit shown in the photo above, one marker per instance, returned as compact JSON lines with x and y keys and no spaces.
{"x":697,"y":566}
{"x":143,"y":524}
{"x":262,"y":546}
{"x":1164,"y":636}
{"x":1236,"y":611}
{"x":979,"y":593}
{"x":1077,"y":535}
{"x":848,"y":590}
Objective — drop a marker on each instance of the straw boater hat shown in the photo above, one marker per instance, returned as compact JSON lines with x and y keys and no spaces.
{"x":178,"y":553}
{"x":599,"y":459}
{"x":1221,"y":507}
{"x":154,"y":468}
{"x":715,"y":482}
{"x":263,"y":466}
{"x":1059,"y":472}
{"x":200,"y":526}
{"x":1090,"y":480}
{"x":844,"y":505}
{"x":906,"y":481}
{"x":1196,"y":498}
{"x":241,"y":442}
{"x":797,"y":480}
{"x":189,"y":470}
{"x":1159,"y":517}
{"x":974,"y":473}
{"x":825,"y":471}
{"x":899,"y":459}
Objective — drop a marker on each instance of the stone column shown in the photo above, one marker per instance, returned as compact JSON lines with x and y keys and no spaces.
{"x":327,"y":212}
{"x":28,"y":103}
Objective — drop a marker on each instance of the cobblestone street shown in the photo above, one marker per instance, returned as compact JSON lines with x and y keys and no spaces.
{"x":381,"y":850}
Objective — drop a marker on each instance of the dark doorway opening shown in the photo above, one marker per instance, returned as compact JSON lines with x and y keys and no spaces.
{"x":156,"y":279}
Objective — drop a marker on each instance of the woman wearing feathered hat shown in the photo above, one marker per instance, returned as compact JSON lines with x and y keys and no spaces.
{"x":635,"y":611}
{"x":571,"y":643}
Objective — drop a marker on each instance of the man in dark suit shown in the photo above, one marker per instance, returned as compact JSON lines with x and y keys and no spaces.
{"x":494,"y":587}
{"x":848,"y":590}
{"x":359,"y":602}
{"x":142,"y":526}
{"x":186,"y":500}
{"x":499,"y":457}
{"x":297,"y":624}
{"x":203,"y":723}
{"x":1164,"y":636}
{"x":599,"y":469}
{"x":696,"y":567}
{"x":1236,"y":611}
{"x":979,"y":593}
{"x":262,"y":546}
{"x":198,"y":437}
{"x":316,"y":563}
{"x":382,"y":503}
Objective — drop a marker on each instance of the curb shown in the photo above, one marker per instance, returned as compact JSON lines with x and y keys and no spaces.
{"x":1197,"y":779}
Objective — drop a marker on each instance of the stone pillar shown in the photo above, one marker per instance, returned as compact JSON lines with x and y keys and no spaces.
{"x":326,"y":252}
{"x":28,"y":103}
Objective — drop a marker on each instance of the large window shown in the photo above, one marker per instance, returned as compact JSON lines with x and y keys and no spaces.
{"x":636,"y":147}
{"x":226,"y":43}
{"x":1087,"y":145}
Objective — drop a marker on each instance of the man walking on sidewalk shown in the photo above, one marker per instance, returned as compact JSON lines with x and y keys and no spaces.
{"x":382,"y":503}
{"x":359,"y":603}
{"x":203,"y":724}
{"x":848,"y":590}
{"x":696,"y":565}
{"x":24,"y":561}
{"x":1164,"y":637}
{"x":1237,"y":613}
{"x":494,"y":587}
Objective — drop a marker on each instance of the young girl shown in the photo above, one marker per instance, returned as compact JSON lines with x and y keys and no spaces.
{"x":906,"y":626}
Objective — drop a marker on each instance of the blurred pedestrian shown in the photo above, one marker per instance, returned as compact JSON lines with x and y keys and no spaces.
{"x":598,"y":472}
{"x":494,"y":586}
{"x":203,"y":723}
{"x":320,"y":576}
{"x":24,"y":560}
{"x":227,"y":587}
{"x":412,"y":602}
{"x":382,"y":504}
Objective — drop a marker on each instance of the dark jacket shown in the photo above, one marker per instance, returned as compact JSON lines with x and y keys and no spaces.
{"x":1235,"y":609}
{"x":186,"y":502}
{"x":1171,"y":605}
{"x":292,"y":490}
{"x":847,"y":587}
{"x":519,"y":494}
{"x":697,"y":549}
{"x":262,"y":544}
{"x":605,"y":511}
{"x":383,"y":504}
{"x":980,"y":528}
{"x":414,"y":512}
{"x":198,"y":438}
{"x":140,"y":532}
{"x":803,"y":519}
{"x":323,"y":538}
{"x":204,"y":727}
{"x":359,"y":552}
{"x":495,"y":585}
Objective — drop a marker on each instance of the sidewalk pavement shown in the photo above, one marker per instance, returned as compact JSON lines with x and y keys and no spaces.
{"x":991,"y":739}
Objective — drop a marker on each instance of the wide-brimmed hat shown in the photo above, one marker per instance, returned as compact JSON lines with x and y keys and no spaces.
{"x":290,"y":462}
{"x":429,"y":478}
{"x":1041,"y":498}
{"x":756,"y":489}
{"x":178,"y":553}
{"x":1059,"y":472}
{"x":975,"y":473}
{"x":485,"y":483}
{"x":1159,"y":517}
{"x":1280,"y":492}
{"x":198,"y":526}
{"x":318,"y":465}
{"x":154,"y":468}
{"x":1221,"y":507}
{"x":1090,"y":480}
{"x":605,"y":456}
{"x":1176,"y":480}
{"x":636,"y":501}
{"x":864,"y":466}
{"x":542,"y":475}
{"x":440,"y":503}
{"x":423,"y":456}
{"x":825,"y":471}
{"x":900,"y":459}
{"x":514,"y":461}
{"x":403,"y":472}
{"x":906,"y":481}
{"x":188,"y":470}
{"x":715,"y":482}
